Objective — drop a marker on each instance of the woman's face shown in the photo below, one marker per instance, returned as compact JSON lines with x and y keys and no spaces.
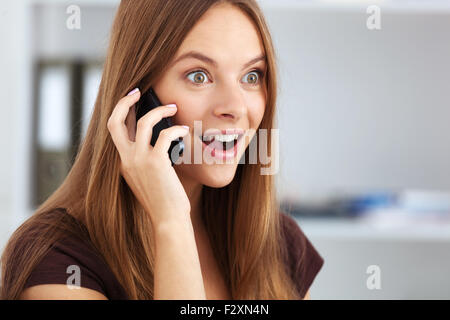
{"x":224,"y":93}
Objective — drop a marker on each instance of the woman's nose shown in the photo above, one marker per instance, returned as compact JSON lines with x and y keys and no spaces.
{"x":231,"y":106}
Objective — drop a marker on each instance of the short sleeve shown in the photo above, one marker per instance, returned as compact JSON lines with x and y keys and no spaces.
{"x":62,"y":261}
{"x":304,"y":260}
{"x":71,"y":254}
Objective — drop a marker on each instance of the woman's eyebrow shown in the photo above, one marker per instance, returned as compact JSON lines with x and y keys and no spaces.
{"x":199,"y":56}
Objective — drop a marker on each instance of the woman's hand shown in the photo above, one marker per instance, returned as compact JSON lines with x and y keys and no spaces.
{"x":148,"y":170}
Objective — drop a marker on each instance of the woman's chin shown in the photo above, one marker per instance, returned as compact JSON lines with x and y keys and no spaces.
{"x":211,"y":175}
{"x":217,"y":175}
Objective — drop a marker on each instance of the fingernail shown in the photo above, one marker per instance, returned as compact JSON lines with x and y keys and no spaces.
{"x":133,"y":92}
{"x":172,"y":105}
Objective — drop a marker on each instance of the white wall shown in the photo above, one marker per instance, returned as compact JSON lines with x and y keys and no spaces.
{"x":362,"y":109}
{"x":15,"y":122}
{"x":31,"y":29}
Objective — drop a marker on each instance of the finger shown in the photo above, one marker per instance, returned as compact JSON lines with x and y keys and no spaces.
{"x":145,"y":125}
{"x":168,"y":135}
{"x":116,"y":122}
{"x":130,"y":122}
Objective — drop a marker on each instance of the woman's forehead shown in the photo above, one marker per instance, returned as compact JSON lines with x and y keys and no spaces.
{"x":225,"y":27}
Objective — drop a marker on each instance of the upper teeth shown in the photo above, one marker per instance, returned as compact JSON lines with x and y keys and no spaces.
{"x":222,"y":137}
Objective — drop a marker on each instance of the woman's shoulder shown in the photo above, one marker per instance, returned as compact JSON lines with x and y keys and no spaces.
{"x":304,"y":260}
{"x":73,"y":260}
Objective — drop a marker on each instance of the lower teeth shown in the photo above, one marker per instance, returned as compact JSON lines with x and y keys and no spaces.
{"x":229,"y":145}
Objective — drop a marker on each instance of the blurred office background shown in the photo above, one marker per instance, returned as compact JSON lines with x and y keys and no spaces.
{"x":363,"y":117}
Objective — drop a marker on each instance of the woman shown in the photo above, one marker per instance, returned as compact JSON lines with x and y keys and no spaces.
{"x":132,"y":226}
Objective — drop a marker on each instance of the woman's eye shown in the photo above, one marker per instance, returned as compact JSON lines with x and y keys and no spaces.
{"x":198,"y":77}
{"x":254,"y":77}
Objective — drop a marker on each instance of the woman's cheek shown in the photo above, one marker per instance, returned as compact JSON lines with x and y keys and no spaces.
{"x":256,"y":114}
{"x":186,"y":115}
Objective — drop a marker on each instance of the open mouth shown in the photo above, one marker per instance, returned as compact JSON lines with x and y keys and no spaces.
{"x":221,"y":142}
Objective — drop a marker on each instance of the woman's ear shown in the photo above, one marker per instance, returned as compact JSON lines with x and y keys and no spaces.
{"x":130,"y":122}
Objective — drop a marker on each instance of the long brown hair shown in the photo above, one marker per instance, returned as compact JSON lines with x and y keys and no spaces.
{"x":244,"y":232}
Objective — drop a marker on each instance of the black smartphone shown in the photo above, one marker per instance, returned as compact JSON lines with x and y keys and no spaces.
{"x":148,"y":101}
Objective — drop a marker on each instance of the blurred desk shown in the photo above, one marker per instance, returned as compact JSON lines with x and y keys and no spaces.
{"x":414,"y":262}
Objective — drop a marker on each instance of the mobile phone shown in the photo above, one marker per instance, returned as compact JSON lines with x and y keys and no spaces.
{"x":148,"y":101}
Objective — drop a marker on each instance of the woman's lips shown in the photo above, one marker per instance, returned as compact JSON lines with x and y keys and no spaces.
{"x":216,"y":149}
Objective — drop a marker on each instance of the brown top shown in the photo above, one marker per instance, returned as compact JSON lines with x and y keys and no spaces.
{"x":304,"y":264}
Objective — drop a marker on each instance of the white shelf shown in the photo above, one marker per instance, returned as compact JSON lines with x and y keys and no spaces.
{"x":343,"y":229}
